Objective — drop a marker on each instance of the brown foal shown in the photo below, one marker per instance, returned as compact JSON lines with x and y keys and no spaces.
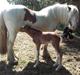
{"x":45,"y":38}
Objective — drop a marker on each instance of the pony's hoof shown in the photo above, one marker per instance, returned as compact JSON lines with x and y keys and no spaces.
{"x":35,"y":65}
{"x":56,"y":64}
{"x":59,"y":67}
{"x":13,"y":63}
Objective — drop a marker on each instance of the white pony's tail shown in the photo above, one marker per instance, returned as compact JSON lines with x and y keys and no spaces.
{"x":3,"y":39}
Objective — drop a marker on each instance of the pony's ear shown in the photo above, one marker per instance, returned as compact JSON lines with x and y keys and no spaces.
{"x":69,"y":8}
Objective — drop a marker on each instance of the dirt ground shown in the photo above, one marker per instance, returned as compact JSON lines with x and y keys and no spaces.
{"x":25,"y":50}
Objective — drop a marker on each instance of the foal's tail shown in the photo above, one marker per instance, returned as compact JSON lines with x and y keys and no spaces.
{"x":3,"y":39}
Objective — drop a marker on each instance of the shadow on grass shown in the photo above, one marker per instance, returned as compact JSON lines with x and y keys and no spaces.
{"x":5,"y":69}
{"x":75,"y":43}
{"x":72,"y":46}
{"x":42,"y":69}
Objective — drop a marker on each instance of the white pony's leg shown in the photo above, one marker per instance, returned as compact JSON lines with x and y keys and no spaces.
{"x":10,"y":42}
{"x":11,"y":24}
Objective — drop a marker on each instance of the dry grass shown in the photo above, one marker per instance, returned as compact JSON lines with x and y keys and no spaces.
{"x":25,"y":50}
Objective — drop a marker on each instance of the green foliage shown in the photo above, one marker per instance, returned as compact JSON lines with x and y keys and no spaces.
{"x":33,"y":4}
{"x":37,"y":4}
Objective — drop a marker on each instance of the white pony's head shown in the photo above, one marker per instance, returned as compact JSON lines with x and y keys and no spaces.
{"x":74,"y":17}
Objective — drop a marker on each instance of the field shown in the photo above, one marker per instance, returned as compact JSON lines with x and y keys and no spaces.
{"x":25,"y":50}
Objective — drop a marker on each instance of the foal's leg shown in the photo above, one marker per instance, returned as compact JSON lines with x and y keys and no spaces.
{"x":10,"y":42}
{"x":46,"y":55}
{"x":37,"y":55}
{"x":59,"y":56}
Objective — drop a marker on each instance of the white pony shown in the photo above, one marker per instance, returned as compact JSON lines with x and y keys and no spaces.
{"x":15,"y":17}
